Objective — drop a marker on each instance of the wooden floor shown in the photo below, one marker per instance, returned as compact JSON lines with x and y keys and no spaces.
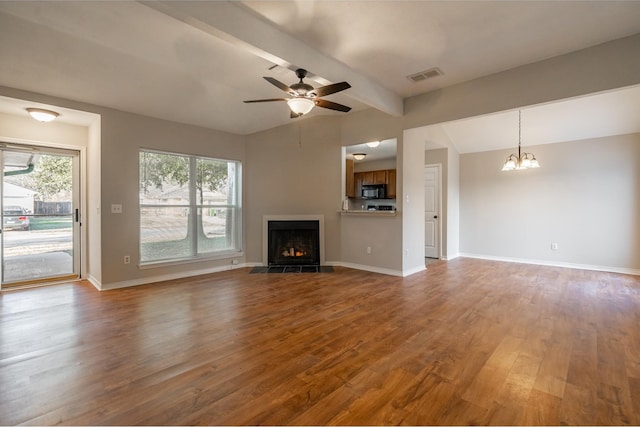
{"x":467,"y":342}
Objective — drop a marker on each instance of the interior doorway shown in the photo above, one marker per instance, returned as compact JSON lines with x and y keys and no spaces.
{"x":40,"y":234}
{"x":432,"y":211}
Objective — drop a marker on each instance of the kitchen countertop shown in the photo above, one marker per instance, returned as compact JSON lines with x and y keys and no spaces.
{"x":365,"y":212}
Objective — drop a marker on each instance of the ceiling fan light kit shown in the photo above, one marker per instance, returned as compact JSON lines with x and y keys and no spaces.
{"x":300,"y":106}
{"x":359,"y":156}
{"x":522,"y":160}
{"x":304,"y":96}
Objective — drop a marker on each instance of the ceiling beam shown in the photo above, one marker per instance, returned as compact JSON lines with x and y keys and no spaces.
{"x":235,"y":23}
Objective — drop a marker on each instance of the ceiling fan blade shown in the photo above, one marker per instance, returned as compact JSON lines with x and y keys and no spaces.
{"x":329,"y":89}
{"x":331,"y":105}
{"x":279,"y":85}
{"x":265,"y":100}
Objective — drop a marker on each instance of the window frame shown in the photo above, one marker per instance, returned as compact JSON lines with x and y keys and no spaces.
{"x":193,"y":208}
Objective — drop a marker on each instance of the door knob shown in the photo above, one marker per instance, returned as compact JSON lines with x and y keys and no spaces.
{"x":435,"y":217}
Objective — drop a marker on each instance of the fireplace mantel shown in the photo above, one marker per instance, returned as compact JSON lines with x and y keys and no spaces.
{"x":265,"y":237}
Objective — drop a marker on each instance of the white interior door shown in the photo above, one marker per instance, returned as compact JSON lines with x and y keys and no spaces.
{"x":431,"y":211}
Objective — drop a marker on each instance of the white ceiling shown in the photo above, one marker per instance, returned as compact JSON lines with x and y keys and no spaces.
{"x":194,"y":62}
{"x":599,"y":115}
{"x":387,"y":149}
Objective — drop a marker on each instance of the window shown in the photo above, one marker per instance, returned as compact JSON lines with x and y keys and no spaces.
{"x":189,"y":207}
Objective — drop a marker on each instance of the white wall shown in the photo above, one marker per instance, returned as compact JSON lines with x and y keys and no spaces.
{"x":294,"y":170}
{"x":434,"y":135}
{"x":412,"y":201}
{"x":383,"y":234}
{"x":297,"y":170}
{"x":25,"y":130}
{"x":453,"y":204}
{"x":93,"y":201}
{"x":585,"y":197}
{"x":607,"y":66}
{"x":603,"y":67}
{"x":123,"y":135}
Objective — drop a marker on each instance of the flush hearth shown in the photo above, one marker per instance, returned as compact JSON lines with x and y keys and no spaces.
{"x":293,"y":242}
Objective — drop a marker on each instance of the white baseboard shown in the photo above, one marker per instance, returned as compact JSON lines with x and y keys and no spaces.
{"x":164,"y":277}
{"x":161,"y":278}
{"x":415,"y":270}
{"x":370,"y":268}
{"x":95,"y":282}
{"x":608,"y":269}
{"x":253,"y":264}
{"x":450,"y":257}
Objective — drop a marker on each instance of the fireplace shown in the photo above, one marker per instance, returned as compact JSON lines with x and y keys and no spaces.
{"x":293,"y":240}
{"x":293,"y":243}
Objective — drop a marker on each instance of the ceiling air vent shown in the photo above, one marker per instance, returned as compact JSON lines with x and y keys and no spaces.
{"x":424,"y":75}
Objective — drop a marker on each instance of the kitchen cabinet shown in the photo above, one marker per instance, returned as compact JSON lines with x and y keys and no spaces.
{"x":385,"y":176}
{"x":350,"y":180}
{"x":380,"y":177}
{"x":391,"y":183}
{"x":366,"y":178}
{"x":357,"y":178}
{"x":374,"y":177}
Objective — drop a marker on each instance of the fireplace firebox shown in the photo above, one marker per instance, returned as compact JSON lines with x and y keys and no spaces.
{"x":293,"y":242}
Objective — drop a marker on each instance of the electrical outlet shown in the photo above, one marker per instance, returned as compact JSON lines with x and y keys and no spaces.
{"x":368,"y":249}
{"x":234,"y":262}
{"x":116,"y":209}
{"x":127,"y":259}
{"x":554,"y":246}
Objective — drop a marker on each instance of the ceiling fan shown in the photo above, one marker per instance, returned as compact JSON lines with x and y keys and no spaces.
{"x":304,"y":97}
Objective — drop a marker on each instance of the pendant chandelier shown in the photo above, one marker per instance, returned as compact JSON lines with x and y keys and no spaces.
{"x":522,"y":160}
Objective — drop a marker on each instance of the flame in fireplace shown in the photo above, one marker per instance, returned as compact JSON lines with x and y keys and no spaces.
{"x":292,"y":252}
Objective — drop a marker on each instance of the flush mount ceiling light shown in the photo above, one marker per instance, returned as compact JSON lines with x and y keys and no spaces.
{"x":42,"y":115}
{"x":359,"y":156}
{"x":522,"y":160}
{"x":300,"y":105}
{"x":373,"y":144}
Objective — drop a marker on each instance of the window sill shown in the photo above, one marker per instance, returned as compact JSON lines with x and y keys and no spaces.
{"x":172,"y":262}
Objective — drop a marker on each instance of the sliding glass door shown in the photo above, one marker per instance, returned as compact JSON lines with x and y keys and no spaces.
{"x":40,"y":215}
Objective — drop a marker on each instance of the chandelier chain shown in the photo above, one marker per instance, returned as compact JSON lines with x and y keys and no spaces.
{"x":519,"y":128}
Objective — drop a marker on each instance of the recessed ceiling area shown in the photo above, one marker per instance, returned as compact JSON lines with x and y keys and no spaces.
{"x":386,"y":150}
{"x":18,"y":107}
{"x":594,"y":116}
